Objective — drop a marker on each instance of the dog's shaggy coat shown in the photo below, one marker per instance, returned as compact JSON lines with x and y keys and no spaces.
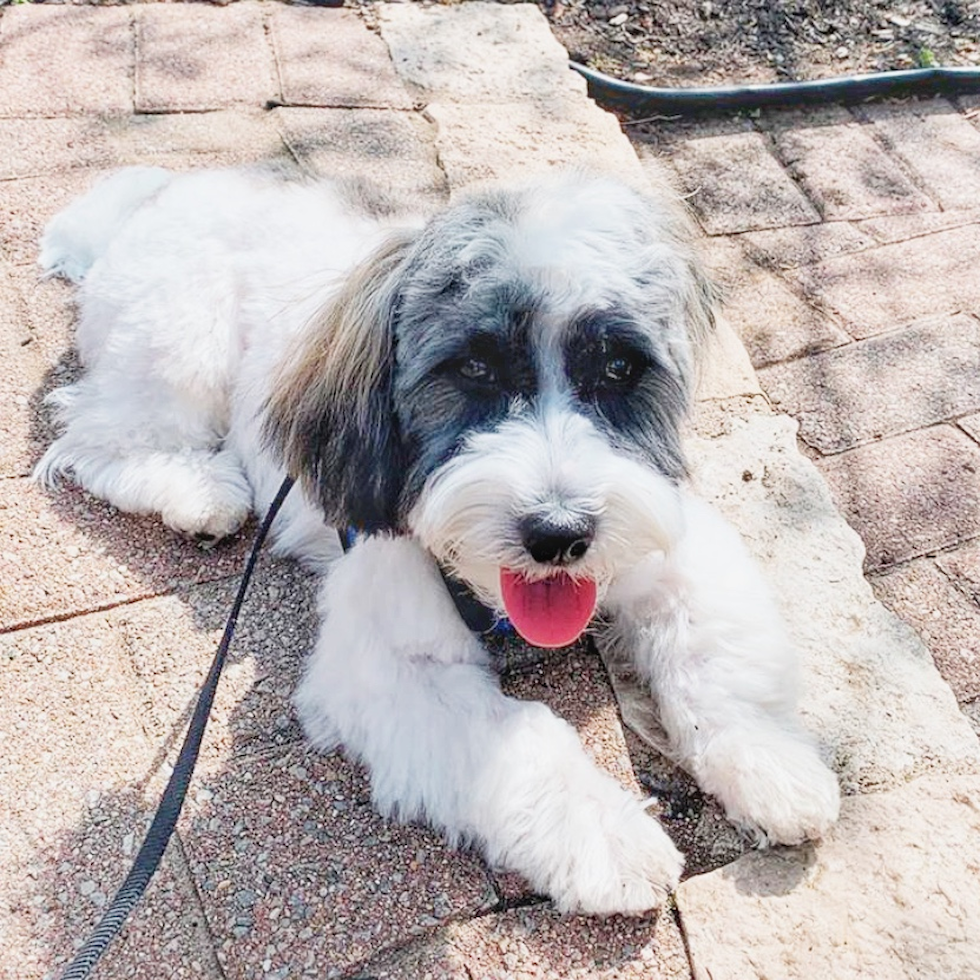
{"x":499,"y":392}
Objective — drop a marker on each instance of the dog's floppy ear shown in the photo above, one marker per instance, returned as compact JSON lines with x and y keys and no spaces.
{"x":330,"y":418}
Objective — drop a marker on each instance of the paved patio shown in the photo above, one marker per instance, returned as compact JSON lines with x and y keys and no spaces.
{"x":848,"y":242}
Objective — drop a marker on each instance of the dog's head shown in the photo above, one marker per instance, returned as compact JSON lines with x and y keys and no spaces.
{"x":507,"y":385}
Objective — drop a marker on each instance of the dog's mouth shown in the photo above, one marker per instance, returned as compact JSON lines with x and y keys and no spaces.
{"x":549,"y":612}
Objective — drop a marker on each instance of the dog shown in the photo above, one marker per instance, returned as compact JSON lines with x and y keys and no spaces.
{"x":493,"y":397}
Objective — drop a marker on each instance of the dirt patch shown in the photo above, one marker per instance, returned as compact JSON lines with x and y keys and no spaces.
{"x":710,"y":42}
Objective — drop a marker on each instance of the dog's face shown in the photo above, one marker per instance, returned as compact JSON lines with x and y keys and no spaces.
{"x":508,"y":387}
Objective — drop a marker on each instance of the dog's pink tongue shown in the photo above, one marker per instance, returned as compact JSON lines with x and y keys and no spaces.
{"x":550,"y":612}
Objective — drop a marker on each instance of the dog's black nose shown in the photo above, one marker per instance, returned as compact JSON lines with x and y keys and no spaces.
{"x":557,"y":543}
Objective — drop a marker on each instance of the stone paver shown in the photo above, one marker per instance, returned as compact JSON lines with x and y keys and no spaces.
{"x":63,"y":62}
{"x":891,"y":895}
{"x":230,"y":62}
{"x":787,"y":248}
{"x":847,"y":397}
{"x":901,"y":227}
{"x":289,"y":855}
{"x":864,"y":670}
{"x":971,"y":425}
{"x":64,"y":553}
{"x":281,"y":867}
{"x":77,"y":765}
{"x":712,"y":170}
{"x":963,"y":568}
{"x":886,"y":287}
{"x":396,"y":149}
{"x":26,"y":206}
{"x":841,"y":167}
{"x":37,"y":146}
{"x":910,"y":495}
{"x":946,"y":619}
{"x":486,"y":54}
{"x":361,"y":74}
{"x":773,"y":321}
{"x":935,"y":142}
{"x":537,"y":944}
{"x":181,"y":141}
{"x":508,"y":143}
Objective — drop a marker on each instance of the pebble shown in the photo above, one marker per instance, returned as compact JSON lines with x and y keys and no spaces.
{"x":618,"y":20}
{"x":245,"y":898}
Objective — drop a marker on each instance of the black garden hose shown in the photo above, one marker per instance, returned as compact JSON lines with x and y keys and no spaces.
{"x":847,"y":89}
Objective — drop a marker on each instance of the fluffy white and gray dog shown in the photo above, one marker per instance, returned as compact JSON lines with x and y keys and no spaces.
{"x":496,"y":395}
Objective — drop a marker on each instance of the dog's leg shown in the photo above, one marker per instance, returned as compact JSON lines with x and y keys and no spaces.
{"x":701,"y":628}
{"x":144,"y":451}
{"x":398,"y":680}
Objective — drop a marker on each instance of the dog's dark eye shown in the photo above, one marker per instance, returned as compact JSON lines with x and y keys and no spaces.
{"x":476,"y":369}
{"x":618,"y":370}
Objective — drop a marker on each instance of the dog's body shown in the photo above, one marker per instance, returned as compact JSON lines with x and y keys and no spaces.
{"x":498,"y":392}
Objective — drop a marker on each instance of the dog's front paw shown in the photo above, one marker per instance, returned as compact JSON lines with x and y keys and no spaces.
{"x":543,"y":809}
{"x":211,"y":504}
{"x":618,"y":860}
{"x":779,"y":793}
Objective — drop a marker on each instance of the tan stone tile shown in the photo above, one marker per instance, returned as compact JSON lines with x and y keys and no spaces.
{"x":972,"y":712}
{"x":909,"y":495}
{"x":735,"y":184}
{"x":893,"y":383}
{"x":62,"y":60}
{"x":937,"y":143}
{"x":26,"y":206}
{"x":844,"y":171}
{"x":171,"y":641}
{"x":479,"y":54}
{"x":971,"y":425}
{"x":361,"y":73}
{"x":516,"y":140}
{"x":538,"y":944}
{"x":395,"y":151}
{"x":194,"y":57}
{"x":902,"y":227}
{"x":787,"y":248}
{"x":64,"y":552}
{"x":892,"y":285}
{"x":77,"y":779}
{"x":870,"y":690}
{"x":771,"y":320}
{"x":962,"y":566}
{"x":37,"y":146}
{"x":296,"y":870}
{"x":891,"y":893}
{"x":184,"y":140}
{"x":35,"y":331}
{"x":947,"y":621}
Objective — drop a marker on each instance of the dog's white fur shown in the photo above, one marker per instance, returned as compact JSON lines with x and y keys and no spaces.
{"x":198,"y":299}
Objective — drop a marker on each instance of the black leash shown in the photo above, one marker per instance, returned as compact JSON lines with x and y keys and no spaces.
{"x":151,"y":852}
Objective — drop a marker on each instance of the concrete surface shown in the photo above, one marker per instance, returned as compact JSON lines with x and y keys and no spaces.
{"x":847,"y":242}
